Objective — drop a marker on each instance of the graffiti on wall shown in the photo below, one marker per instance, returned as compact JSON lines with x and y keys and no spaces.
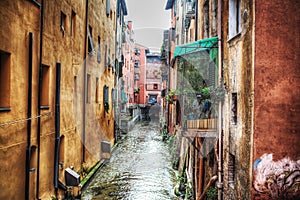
{"x":276,"y":179}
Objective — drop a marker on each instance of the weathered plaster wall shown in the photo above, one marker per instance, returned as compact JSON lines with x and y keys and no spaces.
{"x":277,"y":80}
{"x":16,"y":23}
{"x":277,"y":100}
{"x":238,"y":79}
{"x":18,"y":18}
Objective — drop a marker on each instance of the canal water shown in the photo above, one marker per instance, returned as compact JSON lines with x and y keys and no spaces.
{"x":140,"y":167}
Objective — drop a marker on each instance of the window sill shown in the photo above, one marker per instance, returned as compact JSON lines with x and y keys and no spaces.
{"x":5,"y":109}
{"x":234,"y":37}
{"x":37,"y":4}
{"x":44,"y":107}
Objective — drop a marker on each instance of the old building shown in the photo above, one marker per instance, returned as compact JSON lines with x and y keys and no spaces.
{"x":153,"y":77}
{"x":57,"y":73}
{"x":119,"y":63}
{"x":193,"y":111}
{"x":254,"y":118}
{"x":261,"y":133}
{"x":140,"y":74}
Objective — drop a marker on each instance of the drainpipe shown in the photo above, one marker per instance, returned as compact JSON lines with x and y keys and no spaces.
{"x":39,"y":100}
{"x":220,"y":169}
{"x":84,"y":81}
{"x":29,"y":113}
{"x":196,"y":19}
{"x":57,"y":127}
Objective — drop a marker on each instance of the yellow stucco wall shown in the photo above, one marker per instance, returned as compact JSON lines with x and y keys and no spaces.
{"x":17,"y":19}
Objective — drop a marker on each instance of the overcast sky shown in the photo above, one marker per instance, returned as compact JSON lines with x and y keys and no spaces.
{"x":149,"y":19}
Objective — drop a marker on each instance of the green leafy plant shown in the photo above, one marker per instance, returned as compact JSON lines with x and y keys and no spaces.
{"x":171,"y":94}
{"x":212,"y":193}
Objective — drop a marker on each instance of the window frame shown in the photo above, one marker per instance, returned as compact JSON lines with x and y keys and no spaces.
{"x":234,"y":18}
{"x":5,"y":80}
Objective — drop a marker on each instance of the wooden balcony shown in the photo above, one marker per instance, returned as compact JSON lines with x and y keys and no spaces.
{"x":201,"y":128}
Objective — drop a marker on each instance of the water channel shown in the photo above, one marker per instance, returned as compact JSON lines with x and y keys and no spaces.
{"x":140,"y":167}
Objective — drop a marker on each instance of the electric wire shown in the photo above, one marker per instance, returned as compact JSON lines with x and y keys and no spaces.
{"x":23,"y":120}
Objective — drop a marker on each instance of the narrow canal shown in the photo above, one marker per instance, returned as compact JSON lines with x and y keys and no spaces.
{"x":140,"y":167}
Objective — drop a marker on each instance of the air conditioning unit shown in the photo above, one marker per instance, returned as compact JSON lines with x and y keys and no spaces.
{"x":71,"y":177}
{"x":105,"y":147}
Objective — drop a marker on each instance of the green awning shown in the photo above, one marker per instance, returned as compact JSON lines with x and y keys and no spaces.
{"x":200,"y":45}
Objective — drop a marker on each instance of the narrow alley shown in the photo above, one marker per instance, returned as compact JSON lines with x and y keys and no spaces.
{"x":140,"y":167}
{"x":149,"y":99}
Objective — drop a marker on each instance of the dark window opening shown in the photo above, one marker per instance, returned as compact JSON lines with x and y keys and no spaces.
{"x":99,"y":50}
{"x":88,"y":89}
{"x":106,"y":95}
{"x":73,"y":24}
{"x":234,"y":108}
{"x":206,"y":19}
{"x":91,"y":47}
{"x":106,"y":99}
{"x":62,"y":151}
{"x":45,"y":87}
{"x":63,"y":18}
{"x":4,"y":81}
{"x":33,"y":158}
{"x":231,"y":168}
{"x":97,"y":90}
{"x":155,"y":86}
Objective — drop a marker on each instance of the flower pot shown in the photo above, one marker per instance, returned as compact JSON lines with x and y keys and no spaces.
{"x":175,"y":97}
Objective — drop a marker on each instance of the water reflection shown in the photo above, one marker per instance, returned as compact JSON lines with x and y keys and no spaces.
{"x":140,"y":168}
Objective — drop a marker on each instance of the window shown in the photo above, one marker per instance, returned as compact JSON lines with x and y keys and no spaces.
{"x":107,"y":7}
{"x":99,"y":50}
{"x":234,"y":18}
{"x":45,"y":87}
{"x":112,"y":96}
{"x":106,"y":99}
{"x":231,"y":169}
{"x":155,"y":86}
{"x":91,"y":47}
{"x":33,"y":158}
{"x":234,"y":108}
{"x":63,"y":23}
{"x":4,"y":81}
{"x":97,"y":90}
{"x":88,"y":89}
{"x":62,"y":151}
{"x":206,"y":19}
{"x":73,"y":24}
{"x":106,"y":95}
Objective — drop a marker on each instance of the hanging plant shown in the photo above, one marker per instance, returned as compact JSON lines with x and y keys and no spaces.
{"x":172,"y":96}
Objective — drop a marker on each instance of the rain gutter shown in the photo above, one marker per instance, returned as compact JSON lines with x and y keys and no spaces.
{"x":220,"y":157}
{"x":39,"y":100}
{"x":29,"y":114}
{"x":84,"y":81}
{"x":57,"y":128}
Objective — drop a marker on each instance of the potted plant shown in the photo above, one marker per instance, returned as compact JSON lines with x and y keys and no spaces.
{"x":172,"y":96}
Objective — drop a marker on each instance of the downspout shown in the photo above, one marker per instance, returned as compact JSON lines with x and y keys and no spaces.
{"x":196,"y":19}
{"x":57,"y":127}
{"x":201,"y":168}
{"x":39,"y":100}
{"x":220,"y":36}
{"x":29,"y":114}
{"x":84,"y":81}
